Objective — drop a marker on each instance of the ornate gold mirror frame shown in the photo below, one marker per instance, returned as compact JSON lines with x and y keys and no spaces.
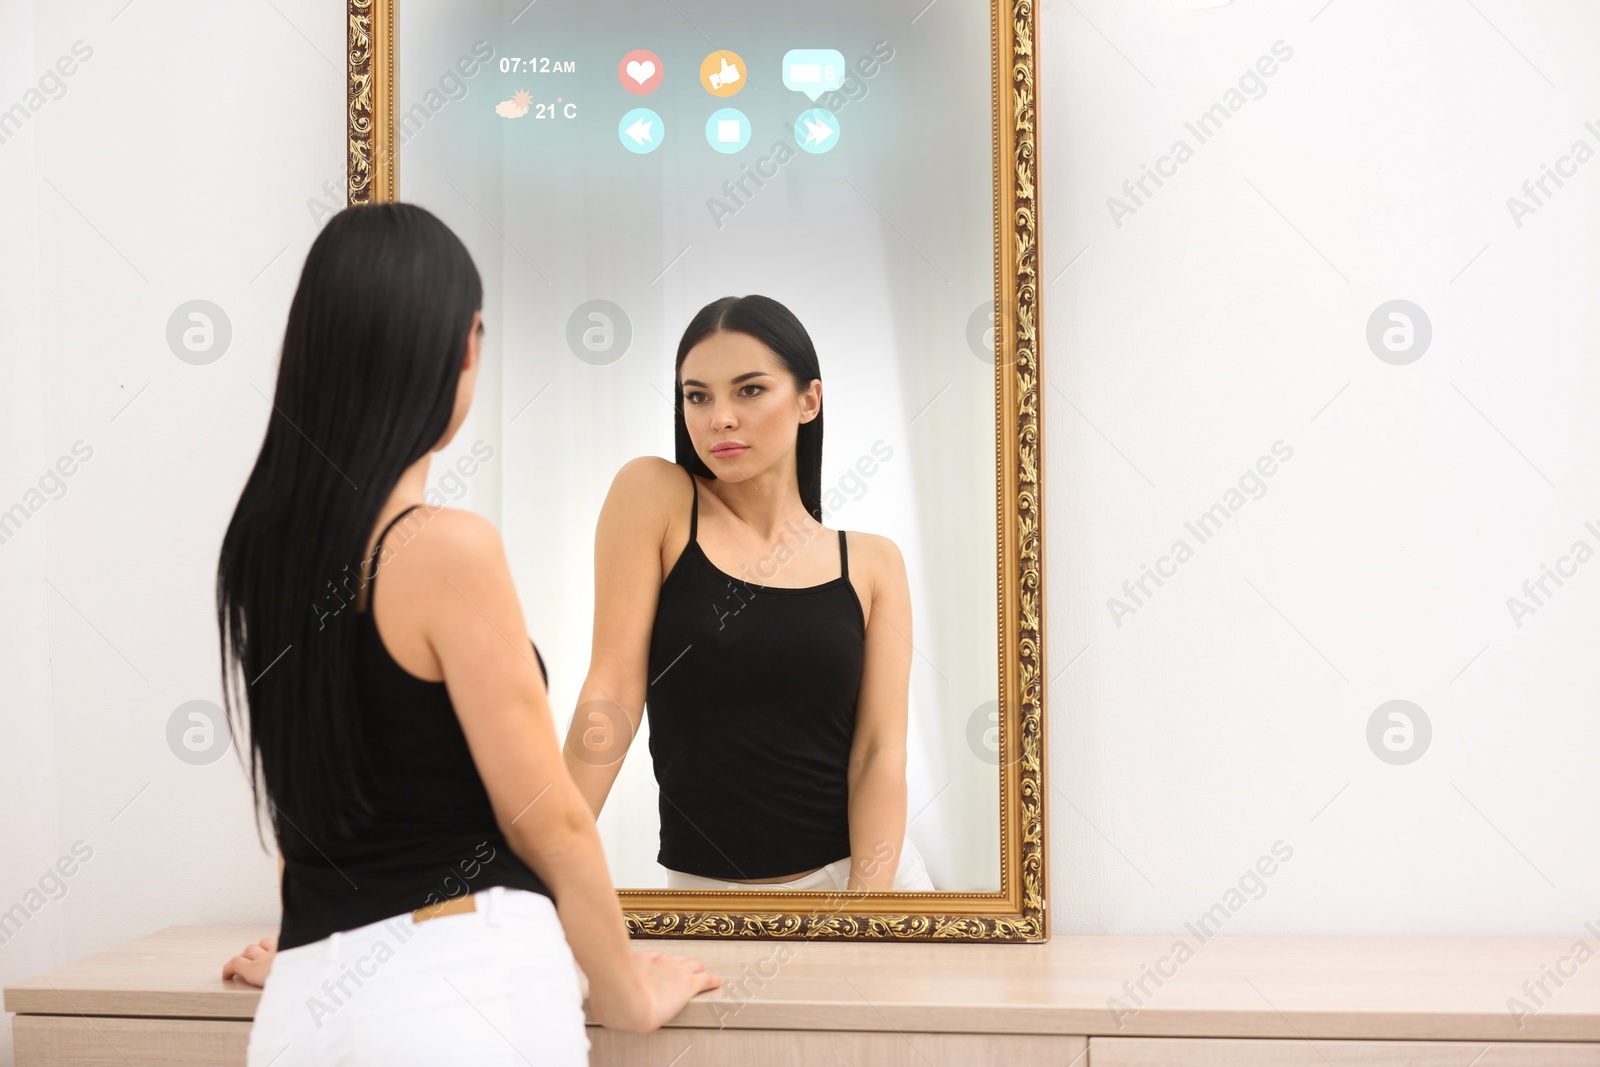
{"x":1017,"y":911}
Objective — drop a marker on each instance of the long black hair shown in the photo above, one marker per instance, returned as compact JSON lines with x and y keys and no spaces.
{"x":371,"y":360}
{"x":776,"y":327}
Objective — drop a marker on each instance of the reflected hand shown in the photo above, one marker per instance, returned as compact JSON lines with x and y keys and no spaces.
{"x":253,"y":964}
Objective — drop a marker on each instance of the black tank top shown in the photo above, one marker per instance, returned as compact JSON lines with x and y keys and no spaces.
{"x":433,"y":835}
{"x":752,"y":705}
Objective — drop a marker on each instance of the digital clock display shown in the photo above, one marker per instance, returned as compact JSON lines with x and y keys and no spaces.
{"x":537,"y":65}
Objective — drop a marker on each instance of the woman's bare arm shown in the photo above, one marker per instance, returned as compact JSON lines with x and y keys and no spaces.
{"x":877,"y":771}
{"x":627,"y":583}
{"x":453,"y":580}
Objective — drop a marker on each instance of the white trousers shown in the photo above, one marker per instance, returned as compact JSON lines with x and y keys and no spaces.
{"x":498,"y":985}
{"x":910,"y":876}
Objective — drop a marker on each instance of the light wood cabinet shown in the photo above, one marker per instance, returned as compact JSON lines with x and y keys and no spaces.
{"x":111,"y":1041}
{"x":806,"y":1048}
{"x":1224,"y":1052}
{"x":1070,"y":1002}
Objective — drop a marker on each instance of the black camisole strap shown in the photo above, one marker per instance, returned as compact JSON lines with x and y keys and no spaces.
{"x":372,"y":581}
{"x":694,"y":509}
{"x":377,"y":549}
{"x":844,"y":558}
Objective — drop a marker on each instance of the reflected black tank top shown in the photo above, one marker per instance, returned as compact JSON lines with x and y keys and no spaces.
{"x":752,"y":706}
{"x":433,"y":835}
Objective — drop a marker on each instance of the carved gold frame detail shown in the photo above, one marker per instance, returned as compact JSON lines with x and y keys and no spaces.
{"x":1017,"y":911}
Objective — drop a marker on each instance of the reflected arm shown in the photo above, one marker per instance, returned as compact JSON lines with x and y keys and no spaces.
{"x":878,"y":754}
{"x":627,"y":583}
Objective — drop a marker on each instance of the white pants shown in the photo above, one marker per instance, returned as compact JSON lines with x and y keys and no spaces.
{"x":910,"y":876}
{"x":498,"y":985}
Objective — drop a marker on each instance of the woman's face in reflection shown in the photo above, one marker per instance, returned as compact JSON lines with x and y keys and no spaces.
{"x":740,"y":404}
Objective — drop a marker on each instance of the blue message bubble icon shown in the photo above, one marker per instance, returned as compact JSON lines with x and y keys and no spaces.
{"x":728,"y":130}
{"x":816,"y":130}
{"x":813,"y":71}
{"x":641,"y":130}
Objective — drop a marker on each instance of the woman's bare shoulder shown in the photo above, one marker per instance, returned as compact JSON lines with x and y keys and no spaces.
{"x":878,"y":557}
{"x":875,"y":546}
{"x":650,"y":470}
{"x":650,"y":482}
{"x":440,"y":532}
{"x":430,"y":543}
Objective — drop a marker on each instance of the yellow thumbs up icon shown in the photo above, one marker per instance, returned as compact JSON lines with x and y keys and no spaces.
{"x":722,"y":73}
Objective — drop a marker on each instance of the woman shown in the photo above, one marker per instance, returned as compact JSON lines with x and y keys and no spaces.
{"x":440,"y":870}
{"x":777,"y":708}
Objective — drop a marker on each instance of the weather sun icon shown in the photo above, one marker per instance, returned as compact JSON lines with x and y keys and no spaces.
{"x":514,"y":108}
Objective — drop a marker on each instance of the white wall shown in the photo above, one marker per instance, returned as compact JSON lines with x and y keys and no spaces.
{"x":1229,"y":312}
{"x":1226,"y":713}
{"x":176,"y":166}
{"x":31,"y":837}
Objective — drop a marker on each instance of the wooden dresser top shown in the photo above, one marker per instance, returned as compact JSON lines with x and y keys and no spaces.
{"x":1399,"y":988}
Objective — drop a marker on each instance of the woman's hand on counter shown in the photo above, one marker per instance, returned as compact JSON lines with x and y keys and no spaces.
{"x":254,"y":963}
{"x":665,"y":984}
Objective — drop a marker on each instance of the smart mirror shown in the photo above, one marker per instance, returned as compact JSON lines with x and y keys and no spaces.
{"x":872,"y":167}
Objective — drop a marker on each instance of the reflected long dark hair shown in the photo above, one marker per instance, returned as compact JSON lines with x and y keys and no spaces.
{"x":371,"y":360}
{"x":776,"y":327}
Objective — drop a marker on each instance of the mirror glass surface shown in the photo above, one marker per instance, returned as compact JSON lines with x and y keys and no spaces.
{"x":615,"y":167}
